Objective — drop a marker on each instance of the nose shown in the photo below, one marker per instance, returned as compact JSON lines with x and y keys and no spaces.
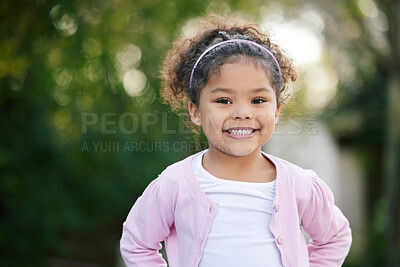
{"x":242,"y":111}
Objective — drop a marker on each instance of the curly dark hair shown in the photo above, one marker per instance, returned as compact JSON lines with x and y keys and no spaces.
{"x":179,"y":61}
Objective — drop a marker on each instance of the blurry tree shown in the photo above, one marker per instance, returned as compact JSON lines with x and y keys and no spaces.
{"x":64,"y":64}
{"x":364,"y":40}
{"x":392,"y":144}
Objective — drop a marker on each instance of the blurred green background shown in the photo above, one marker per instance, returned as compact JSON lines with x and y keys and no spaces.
{"x":83,"y":131}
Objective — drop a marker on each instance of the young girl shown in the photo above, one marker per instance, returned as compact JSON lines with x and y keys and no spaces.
{"x":232,"y":204}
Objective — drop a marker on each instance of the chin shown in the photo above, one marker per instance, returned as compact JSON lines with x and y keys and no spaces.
{"x":239,"y":151}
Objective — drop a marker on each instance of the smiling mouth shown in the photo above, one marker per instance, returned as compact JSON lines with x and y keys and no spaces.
{"x":240,"y":131}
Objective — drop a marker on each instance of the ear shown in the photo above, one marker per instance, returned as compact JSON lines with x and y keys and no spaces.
{"x":277,"y":112}
{"x":194,"y":113}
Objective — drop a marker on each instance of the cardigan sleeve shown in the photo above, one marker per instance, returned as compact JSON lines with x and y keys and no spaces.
{"x":328,"y":228}
{"x":148,"y":223}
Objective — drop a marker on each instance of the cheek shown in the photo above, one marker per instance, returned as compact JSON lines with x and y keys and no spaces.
{"x":267,"y":122}
{"x":215,"y":126}
{"x":211,"y":119}
{"x":266,"y":117}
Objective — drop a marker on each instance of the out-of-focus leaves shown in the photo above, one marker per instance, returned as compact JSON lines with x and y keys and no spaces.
{"x":60,"y":64}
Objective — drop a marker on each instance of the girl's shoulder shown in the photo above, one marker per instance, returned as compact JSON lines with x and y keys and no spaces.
{"x":178,"y":170}
{"x":289,"y":171}
{"x":304,"y":183}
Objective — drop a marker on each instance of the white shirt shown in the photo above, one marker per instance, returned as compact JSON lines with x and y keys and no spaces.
{"x":240,"y":234}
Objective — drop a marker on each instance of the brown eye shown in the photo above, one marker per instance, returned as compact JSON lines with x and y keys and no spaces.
{"x":225,"y":101}
{"x":258,"y":100}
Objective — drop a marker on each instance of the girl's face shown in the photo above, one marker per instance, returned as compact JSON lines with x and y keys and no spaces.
{"x":237,"y":108}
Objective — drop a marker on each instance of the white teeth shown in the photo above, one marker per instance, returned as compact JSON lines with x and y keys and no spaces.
{"x":240,"y":132}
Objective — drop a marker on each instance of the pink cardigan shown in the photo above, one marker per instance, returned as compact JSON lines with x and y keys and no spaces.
{"x":174,"y":208}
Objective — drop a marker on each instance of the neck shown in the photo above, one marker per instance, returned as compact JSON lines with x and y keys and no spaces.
{"x":224,"y":165}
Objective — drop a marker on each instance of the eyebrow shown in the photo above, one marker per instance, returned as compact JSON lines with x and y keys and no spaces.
{"x":230,"y":91}
{"x":263,"y":89}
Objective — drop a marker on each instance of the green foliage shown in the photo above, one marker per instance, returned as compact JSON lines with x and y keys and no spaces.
{"x":361,"y":117}
{"x":58,"y":62}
